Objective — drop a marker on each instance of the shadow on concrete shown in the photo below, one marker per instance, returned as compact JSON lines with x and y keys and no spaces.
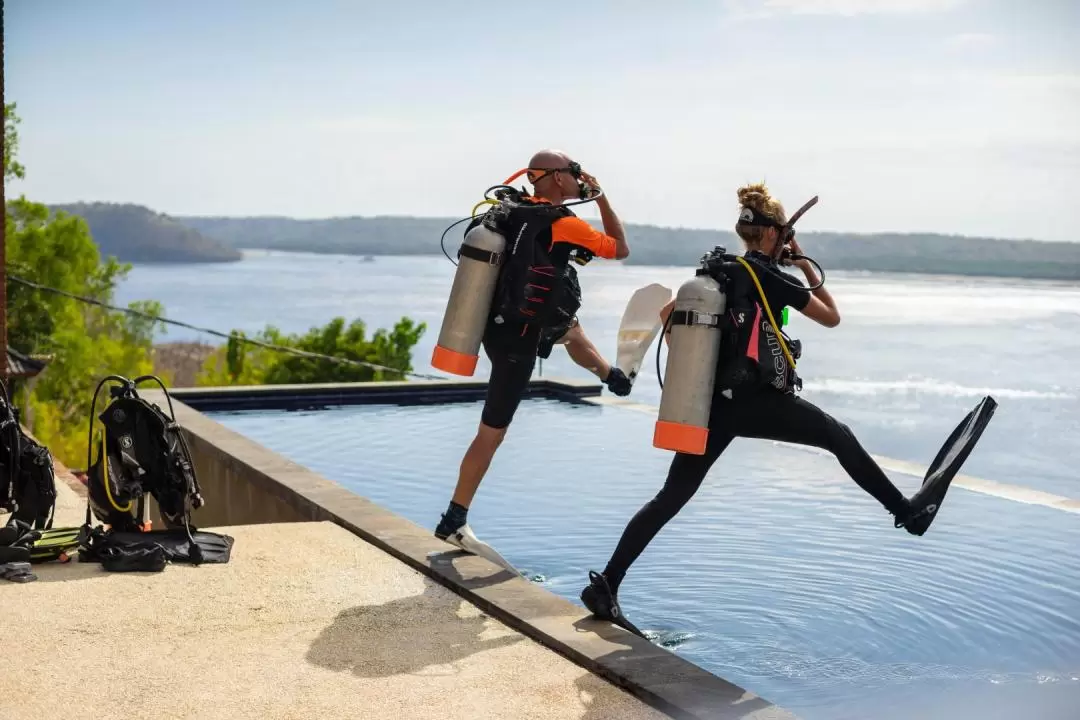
{"x":444,"y":563}
{"x":590,"y":690}
{"x":72,"y":571}
{"x":426,"y":630}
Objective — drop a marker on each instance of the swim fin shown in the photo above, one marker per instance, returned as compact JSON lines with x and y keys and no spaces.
{"x":926,"y":503}
{"x":464,"y":538}
{"x":639,"y":327}
{"x":602,"y":603}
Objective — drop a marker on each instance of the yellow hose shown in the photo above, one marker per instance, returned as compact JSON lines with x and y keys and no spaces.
{"x":485,"y":201}
{"x":768,"y":311}
{"x":105,"y":477}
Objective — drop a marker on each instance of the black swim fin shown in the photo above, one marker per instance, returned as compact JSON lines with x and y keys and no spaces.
{"x":602,"y":603}
{"x":926,"y":503}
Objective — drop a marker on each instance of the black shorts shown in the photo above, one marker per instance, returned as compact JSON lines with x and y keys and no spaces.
{"x":512,"y":363}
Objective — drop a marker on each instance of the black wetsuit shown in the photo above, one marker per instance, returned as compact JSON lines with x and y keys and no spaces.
{"x":765,"y":413}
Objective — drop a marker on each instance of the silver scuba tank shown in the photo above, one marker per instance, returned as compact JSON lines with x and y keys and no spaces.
{"x":479,"y":261}
{"x":685,"y":401}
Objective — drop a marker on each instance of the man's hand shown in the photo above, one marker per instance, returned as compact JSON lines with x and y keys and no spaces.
{"x":590,"y":182}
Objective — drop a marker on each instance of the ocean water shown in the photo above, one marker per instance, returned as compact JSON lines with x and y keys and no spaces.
{"x":912,"y":355}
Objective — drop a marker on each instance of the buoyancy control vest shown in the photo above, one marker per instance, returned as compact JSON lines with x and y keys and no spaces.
{"x":752,"y":353}
{"x":530,"y":282}
{"x":27,"y":477}
{"x":140,"y":450}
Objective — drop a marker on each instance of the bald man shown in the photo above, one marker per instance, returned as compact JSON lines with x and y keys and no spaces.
{"x":512,"y":346}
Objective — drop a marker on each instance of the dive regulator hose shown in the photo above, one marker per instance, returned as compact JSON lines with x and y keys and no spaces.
{"x":507,"y":190}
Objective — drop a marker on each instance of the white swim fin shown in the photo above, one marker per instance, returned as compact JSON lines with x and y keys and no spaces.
{"x":467,"y":541}
{"x":639,"y":327}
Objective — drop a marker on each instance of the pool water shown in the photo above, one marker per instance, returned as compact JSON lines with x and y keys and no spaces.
{"x":780,"y":575}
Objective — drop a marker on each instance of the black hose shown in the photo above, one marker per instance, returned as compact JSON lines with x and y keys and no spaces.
{"x":155,"y":378}
{"x":659,"y":342}
{"x":799,"y":285}
{"x":442,"y":238}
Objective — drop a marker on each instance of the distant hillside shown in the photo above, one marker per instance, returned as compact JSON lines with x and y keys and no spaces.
{"x":652,"y":245}
{"x":134,"y":233}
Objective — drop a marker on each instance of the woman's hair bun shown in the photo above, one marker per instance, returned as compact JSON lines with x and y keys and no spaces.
{"x":756,"y":197}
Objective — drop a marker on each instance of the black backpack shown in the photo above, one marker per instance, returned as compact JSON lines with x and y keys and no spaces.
{"x":529,"y":284}
{"x":27,"y":478}
{"x":140,"y":451}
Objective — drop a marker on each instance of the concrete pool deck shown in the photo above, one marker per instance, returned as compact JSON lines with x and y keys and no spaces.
{"x":307,"y":620}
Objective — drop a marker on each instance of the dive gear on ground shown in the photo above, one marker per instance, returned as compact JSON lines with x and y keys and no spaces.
{"x":27,"y":477}
{"x":142,"y":451}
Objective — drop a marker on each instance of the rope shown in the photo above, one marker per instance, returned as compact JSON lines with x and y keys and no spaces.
{"x":218,"y":333}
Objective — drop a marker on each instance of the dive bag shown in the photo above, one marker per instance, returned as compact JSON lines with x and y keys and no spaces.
{"x":27,"y":477}
{"x":120,"y":551}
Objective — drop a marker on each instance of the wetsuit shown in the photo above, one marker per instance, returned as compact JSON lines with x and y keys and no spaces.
{"x":512,"y":350}
{"x":763,"y":412}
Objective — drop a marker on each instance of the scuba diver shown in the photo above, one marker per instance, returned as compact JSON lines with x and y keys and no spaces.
{"x":762,"y":403}
{"x":511,"y":343}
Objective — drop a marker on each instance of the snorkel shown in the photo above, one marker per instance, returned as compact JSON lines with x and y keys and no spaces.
{"x":787,"y":231}
{"x":785,"y":234}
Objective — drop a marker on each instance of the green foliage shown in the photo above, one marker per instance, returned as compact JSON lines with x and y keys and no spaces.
{"x":87,"y":342}
{"x":12,"y":169}
{"x":240,"y":363}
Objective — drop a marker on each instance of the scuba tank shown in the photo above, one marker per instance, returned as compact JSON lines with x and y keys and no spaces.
{"x":510,"y":283}
{"x":696,"y":324}
{"x":469,"y":304}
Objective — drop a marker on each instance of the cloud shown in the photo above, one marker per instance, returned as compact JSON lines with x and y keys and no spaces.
{"x":970,"y":41}
{"x":765,"y":8}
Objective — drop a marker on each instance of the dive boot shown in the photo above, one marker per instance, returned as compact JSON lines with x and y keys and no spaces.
{"x":603,"y":604}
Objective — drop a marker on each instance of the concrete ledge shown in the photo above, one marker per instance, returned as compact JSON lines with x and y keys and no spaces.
{"x":412,"y":392}
{"x":245,"y":483}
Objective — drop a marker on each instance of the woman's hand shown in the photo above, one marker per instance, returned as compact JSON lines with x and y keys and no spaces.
{"x":802,"y":263}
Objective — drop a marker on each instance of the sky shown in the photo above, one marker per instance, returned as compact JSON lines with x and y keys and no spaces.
{"x":953,"y":116}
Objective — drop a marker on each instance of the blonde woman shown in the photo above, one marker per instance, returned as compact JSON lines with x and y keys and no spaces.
{"x":767,"y":407}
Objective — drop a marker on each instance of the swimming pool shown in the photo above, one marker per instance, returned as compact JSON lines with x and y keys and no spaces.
{"x":781,"y":575}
